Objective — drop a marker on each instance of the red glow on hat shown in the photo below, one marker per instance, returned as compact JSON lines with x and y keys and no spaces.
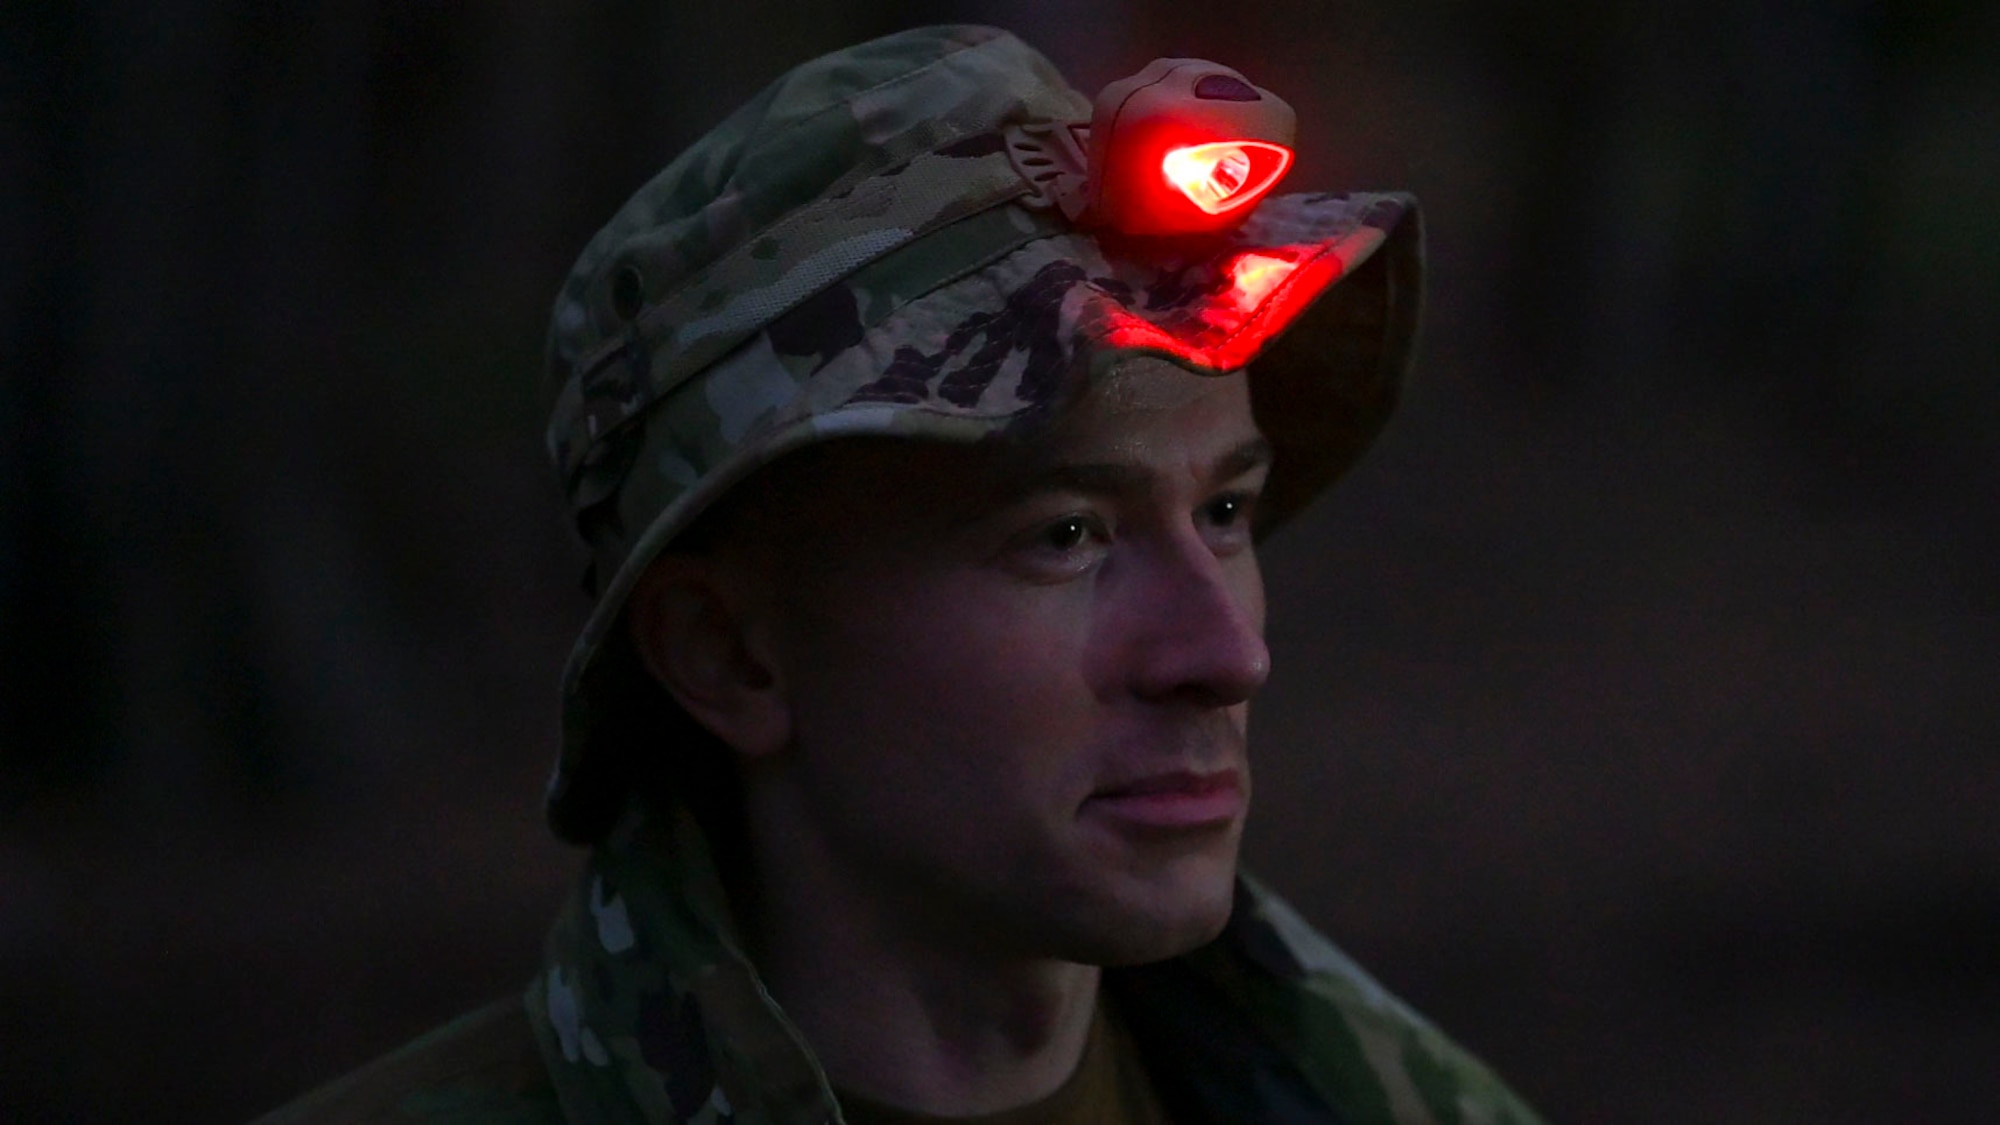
{"x":1267,"y":293}
{"x":1255,"y":275}
{"x":1224,"y":175}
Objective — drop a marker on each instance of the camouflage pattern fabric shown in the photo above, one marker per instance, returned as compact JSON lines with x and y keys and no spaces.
{"x":832,"y":166}
{"x":853,"y":253}
{"x":648,"y":1011}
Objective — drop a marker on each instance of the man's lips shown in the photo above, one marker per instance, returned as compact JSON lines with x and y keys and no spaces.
{"x":1178,"y":799}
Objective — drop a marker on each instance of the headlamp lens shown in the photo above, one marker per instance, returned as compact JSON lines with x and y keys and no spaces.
{"x":1214,"y":176}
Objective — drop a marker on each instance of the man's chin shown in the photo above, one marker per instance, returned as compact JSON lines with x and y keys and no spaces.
{"x":1158,"y":923}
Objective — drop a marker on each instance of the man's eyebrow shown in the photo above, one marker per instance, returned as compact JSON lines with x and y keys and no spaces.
{"x":1115,"y":478}
{"x":1253,"y":454}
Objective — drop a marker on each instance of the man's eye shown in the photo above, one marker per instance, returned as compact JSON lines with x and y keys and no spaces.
{"x":1067,"y":534}
{"x":1228,"y":510}
{"x":1059,"y":549}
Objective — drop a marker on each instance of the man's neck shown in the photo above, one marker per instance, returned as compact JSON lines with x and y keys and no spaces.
{"x":946,"y":1040}
{"x":903,"y":1014}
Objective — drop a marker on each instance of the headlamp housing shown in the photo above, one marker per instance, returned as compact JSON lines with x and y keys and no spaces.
{"x":1185,"y":146}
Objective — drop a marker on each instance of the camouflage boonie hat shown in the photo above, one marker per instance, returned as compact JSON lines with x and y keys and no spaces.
{"x":856,"y":252}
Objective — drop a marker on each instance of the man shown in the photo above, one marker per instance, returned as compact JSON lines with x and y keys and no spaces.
{"x":923,"y":473}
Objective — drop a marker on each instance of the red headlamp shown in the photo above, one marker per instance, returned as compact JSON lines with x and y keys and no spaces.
{"x":1184,"y":146}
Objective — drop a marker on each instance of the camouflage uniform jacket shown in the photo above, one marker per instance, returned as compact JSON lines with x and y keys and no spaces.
{"x":647,"y":1011}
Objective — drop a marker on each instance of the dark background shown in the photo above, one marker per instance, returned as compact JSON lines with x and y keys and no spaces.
{"x":1636,"y":704}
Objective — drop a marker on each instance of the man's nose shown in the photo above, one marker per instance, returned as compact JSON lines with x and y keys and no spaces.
{"x":1197,"y":632}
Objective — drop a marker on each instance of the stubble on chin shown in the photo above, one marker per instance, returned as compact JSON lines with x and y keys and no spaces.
{"x":1156,"y":918}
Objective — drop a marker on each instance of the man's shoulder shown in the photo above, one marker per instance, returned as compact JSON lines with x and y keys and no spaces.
{"x":482,"y":1067}
{"x":1351,"y":1034}
{"x":1272,"y":1022}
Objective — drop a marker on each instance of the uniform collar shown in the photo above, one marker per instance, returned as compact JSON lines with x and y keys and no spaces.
{"x":648,"y":1012}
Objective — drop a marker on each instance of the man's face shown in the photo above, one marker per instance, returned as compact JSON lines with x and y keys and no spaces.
{"x":1019,"y":675}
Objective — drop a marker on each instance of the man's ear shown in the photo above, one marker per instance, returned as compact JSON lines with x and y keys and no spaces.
{"x":699,"y":636}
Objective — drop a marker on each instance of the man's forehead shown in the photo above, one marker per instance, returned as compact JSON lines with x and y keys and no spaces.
{"x":1145,"y":421}
{"x":1145,"y":385}
{"x":1145,"y":410}
{"x":1147,"y":416}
